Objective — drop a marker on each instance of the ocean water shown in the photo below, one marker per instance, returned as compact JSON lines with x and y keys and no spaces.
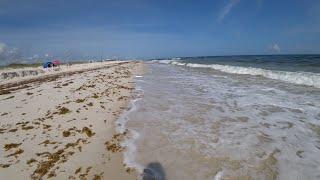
{"x":248,"y":117}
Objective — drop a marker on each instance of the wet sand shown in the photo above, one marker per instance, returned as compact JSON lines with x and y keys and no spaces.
{"x":61,"y":126}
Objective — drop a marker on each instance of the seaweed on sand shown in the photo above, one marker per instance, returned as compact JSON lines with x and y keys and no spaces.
{"x":95,"y":96}
{"x":44,"y":167}
{"x":27,"y":127}
{"x":3,"y":114}
{"x":88,"y":131}
{"x":78,"y":170}
{"x":66,"y":133}
{"x":7,"y":147}
{"x":1,"y":130}
{"x":16,"y":153}
{"x":80,"y":100}
{"x":9,"y":97}
{"x":13,"y":130}
{"x":63,"y":110}
{"x":5,"y":165}
{"x":30,"y":161}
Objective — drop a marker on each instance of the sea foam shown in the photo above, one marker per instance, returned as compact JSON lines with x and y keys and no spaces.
{"x":301,"y":78}
{"x":129,"y":143}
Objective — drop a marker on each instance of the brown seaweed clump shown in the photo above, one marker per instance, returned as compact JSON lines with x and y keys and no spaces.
{"x":7,"y":147}
{"x":30,"y":161}
{"x":16,"y":153}
{"x":80,"y":100}
{"x":5,"y":165}
{"x":9,"y":97}
{"x":83,"y":176}
{"x":3,"y":114}
{"x":44,"y":167}
{"x":78,"y":170}
{"x":13,"y":130}
{"x":96,"y":177}
{"x":88,"y":131}
{"x":2,"y":92}
{"x":46,"y":142}
{"x":129,"y":170}
{"x":64,"y":110}
{"x":1,"y":130}
{"x":27,"y":127}
{"x":95,"y":96}
{"x":59,"y":156}
{"x":52,"y":174}
{"x":66,"y":133}
{"x":113,"y":146}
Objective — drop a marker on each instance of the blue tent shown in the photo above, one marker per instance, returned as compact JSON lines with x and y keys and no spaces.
{"x":47,"y":64}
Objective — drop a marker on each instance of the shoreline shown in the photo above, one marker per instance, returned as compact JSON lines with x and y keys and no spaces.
{"x":214,"y":122}
{"x":64,"y":127}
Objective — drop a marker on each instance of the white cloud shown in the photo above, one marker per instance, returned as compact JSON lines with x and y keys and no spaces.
{"x":8,"y":55}
{"x":275,"y":47}
{"x":227,"y":9}
{"x":2,"y":47}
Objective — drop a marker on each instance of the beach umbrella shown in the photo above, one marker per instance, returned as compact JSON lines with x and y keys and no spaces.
{"x":56,"y":62}
{"x":47,"y":64}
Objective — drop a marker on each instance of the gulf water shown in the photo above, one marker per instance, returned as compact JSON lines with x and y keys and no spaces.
{"x":235,"y":117}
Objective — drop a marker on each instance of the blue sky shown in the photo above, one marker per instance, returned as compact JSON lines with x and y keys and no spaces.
{"x":157,"y":28}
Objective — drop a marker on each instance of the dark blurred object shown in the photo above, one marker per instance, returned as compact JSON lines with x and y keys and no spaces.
{"x":154,"y":171}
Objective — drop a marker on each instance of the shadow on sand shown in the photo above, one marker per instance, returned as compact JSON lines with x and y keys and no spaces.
{"x":154,"y":171}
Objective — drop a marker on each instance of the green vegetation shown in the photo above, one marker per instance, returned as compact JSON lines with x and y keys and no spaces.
{"x":20,"y":65}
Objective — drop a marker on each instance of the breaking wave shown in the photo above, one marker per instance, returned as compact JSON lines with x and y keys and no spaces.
{"x":301,"y":78}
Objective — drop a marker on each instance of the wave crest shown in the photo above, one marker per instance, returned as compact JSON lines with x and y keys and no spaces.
{"x":301,"y":78}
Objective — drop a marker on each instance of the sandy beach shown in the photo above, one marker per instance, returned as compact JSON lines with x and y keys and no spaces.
{"x":61,"y":125}
{"x":160,"y":90}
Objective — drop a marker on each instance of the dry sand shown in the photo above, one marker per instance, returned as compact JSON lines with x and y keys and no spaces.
{"x":61,"y":125}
